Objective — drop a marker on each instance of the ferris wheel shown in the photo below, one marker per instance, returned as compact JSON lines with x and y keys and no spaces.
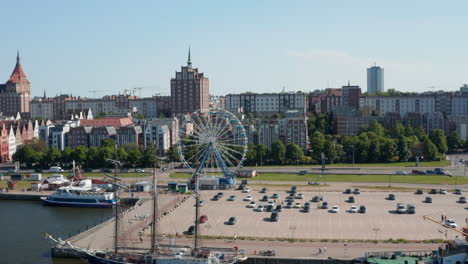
{"x":212,"y":141}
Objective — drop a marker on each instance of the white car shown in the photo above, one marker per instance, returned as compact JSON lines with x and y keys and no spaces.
{"x":259,"y":208}
{"x":252,"y":204}
{"x":272,"y":203}
{"x":399,"y":172}
{"x":335,"y":209}
{"x":246,"y":190}
{"x":451,"y":223}
{"x":353,"y":209}
{"x":299,"y":196}
{"x":443,"y":191}
{"x":248,"y":198}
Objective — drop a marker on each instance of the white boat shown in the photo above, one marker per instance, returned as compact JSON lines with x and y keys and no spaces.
{"x":78,"y":196}
{"x":57,"y":179}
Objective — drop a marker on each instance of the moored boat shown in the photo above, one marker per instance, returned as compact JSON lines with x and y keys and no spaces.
{"x":81,"y":197}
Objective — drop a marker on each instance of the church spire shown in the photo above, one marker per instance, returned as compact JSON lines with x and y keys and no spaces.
{"x":17,"y":57}
{"x":189,"y":61}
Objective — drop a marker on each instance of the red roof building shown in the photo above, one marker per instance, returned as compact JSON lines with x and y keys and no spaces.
{"x":108,"y":121}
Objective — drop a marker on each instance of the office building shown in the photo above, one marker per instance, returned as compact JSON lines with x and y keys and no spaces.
{"x":375,"y":80}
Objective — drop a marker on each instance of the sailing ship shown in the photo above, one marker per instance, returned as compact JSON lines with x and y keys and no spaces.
{"x":168,"y":254}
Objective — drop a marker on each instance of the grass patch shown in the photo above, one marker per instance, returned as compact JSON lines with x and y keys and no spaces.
{"x":419,"y":179}
{"x":437,"y":163}
{"x":20,"y":185}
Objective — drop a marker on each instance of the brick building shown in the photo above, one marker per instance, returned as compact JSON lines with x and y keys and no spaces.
{"x":189,"y":90}
{"x":15,"y":94}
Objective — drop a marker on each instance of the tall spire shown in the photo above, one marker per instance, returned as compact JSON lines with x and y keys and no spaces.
{"x":17,"y":57}
{"x":189,"y":61}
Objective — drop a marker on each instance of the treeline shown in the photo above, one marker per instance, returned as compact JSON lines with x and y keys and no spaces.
{"x":36,"y":154}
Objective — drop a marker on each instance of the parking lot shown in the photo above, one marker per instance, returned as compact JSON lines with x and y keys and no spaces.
{"x":379,"y":222}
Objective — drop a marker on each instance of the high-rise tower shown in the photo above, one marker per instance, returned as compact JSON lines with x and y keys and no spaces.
{"x":375,"y":80}
{"x":189,"y":90}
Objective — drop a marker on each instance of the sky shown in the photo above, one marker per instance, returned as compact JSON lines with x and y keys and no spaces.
{"x":253,"y":45}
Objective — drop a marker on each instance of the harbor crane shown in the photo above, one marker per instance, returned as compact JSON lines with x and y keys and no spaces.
{"x":95,"y":91}
{"x":464,"y":232}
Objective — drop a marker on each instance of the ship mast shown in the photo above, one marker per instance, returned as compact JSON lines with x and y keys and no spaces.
{"x":116,"y":231}
{"x":155,"y":210}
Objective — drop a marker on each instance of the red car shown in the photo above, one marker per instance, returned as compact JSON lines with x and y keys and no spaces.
{"x":203,"y":219}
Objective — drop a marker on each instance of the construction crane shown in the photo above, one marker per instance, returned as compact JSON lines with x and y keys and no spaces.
{"x":464,"y":232}
{"x":141,"y":88}
{"x":95,"y":91}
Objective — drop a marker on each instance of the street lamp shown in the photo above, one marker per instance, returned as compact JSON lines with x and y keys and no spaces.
{"x":323,"y":167}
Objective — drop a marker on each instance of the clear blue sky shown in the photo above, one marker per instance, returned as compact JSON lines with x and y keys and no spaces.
{"x":252,"y":45}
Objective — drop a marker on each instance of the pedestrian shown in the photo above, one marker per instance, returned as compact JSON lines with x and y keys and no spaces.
{"x":141,"y":239}
{"x":234,"y":238}
{"x":324,"y":249}
{"x":441,"y":218}
{"x":320,"y":251}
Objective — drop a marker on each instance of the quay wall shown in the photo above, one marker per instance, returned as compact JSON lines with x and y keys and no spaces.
{"x":37,"y":197}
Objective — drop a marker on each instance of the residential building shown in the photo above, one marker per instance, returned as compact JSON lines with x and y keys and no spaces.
{"x":399,"y":104}
{"x":158,"y":134}
{"x":128,"y":135}
{"x":433,"y":121}
{"x":108,"y":121}
{"x":79,"y":136}
{"x":347,"y":120}
{"x":391,"y":119}
{"x":15,"y":94}
{"x":294,"y":130}
{"x":415,"y":120}
{"x":268,"y":133}
{"x":375,"y":80}
{"x":189,"y":90}
{"x":333,"y":98}
{"x":269,"y":103}
{"x":351,"y":96}
{"x":97,"y":134}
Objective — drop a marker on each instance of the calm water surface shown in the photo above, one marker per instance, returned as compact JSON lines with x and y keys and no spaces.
{"x":23,"y":225}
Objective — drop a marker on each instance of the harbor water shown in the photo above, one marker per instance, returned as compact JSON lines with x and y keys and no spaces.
{"x":23,"y":225}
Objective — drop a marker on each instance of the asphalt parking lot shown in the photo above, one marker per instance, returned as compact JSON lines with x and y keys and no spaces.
{"x":379,"y":222}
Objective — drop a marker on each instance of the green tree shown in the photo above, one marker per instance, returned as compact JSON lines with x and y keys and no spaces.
{"x":108,"y":142}
{"x":454,"y":141}
{"x":331,"y":150}
{"x":134,"y":158}
{"x":26,"y":154}
{"x":262,"y":154}
{"x":122,"y":155}
{"x":374,"y":151}
{"x":437,"y":137}
{"x":173,"y":154}
{"x":294,"y":154}
{"x":104,"y":154}
{"x":402,"y":149}
{"x":92,"y":157}
{"x":100,"y":115}
{"x":377,"y":128}
{"x":429,"y":149}
{"x":38,"y":145}
{"x":79,"y":154}
{"x":67,"y":156}
{"x":53,"y":156}
{"x":278,"y":152}
{"x":149,"y":158}
{"x":251,"y":156}
{"x":139,"y":116}
{"x":388,"y":150}
{"x":317,"y":144}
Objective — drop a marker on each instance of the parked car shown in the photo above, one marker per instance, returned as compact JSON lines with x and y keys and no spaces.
{"x":462,"y":200}
{"x":232,"y":220}
{"x":265,"y":198}
{"x":353,"y":209}
{"x":293,"y":189}
{"x":220,"y":194}
{"x":246,"y":190}
{"x":347,"y":191}
{"x":419,"y":172}
{"x":391,"y":197}
{"x":300,"y":196}
{"x":190,"y":230}
{"x":289,"y":205}
{"x":428,"y":200}
{"x":400,"y":208}
{"x":458,"y":192}
{"x":410,"y":209}
{"x":248,"y":198}
{"x":430,"y":172}
{"x":362,"y":209}
{"x":419,"y":191}
{"x":306,"y":208}
{"x":11,"y":170}
{"x":203,"y":219}
{"x":272,"y":203}
{"x":451,"y":223}
{"x":38,"y":170}
{"x":399,"y":172}
{"x":252,"y":204}
{"x":357,"y":191}
{"x":274,"y":217}
{"x":275,"y":196}
{"x":215,"y":198}
{"x":232,"y":198}
{"x":279,"y":208}
{"x":433,"y":191}
{"x":290,"y":199}
{"x":139,"y":170}
{"x":297,"y":205}
{"x":51,"y":169}
{"x":443,"y":191}
{"x":317,"y":199}
{"x":351,"y":199}
{"x":335,"y":209}
{"x":324,"y":205}
{"x":201,"y":203}
{"x":260,"y":208}
{"x":263,"y":190}
{"x":269,"y":208}
{"x":124,"y":170}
